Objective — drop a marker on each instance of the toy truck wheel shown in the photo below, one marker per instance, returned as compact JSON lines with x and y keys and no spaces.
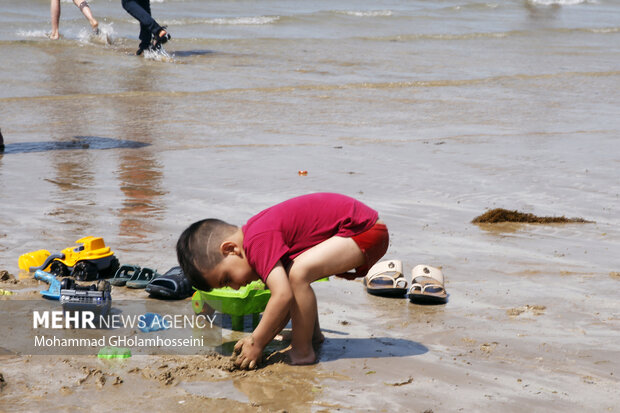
{"x":67,"y":284}
{"x":59,"y":269}
{"x":111,"y":270}
{"x":84,"y":270}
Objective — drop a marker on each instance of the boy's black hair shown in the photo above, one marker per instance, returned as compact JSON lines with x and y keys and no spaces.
{"x":198,"y":249}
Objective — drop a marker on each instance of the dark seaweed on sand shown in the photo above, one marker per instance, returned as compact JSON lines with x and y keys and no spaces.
{"x":496,"y":215}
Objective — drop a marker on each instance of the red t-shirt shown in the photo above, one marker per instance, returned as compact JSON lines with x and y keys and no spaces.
{"x":285,"y":230}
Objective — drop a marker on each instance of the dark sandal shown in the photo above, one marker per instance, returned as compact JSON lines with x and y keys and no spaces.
{"x":172,"y":285}
{"x":161,"y":39}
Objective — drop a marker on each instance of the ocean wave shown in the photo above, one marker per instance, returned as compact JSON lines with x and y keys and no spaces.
{"x":249,"y":21}
{"x":604,"y":30}
{"x":232,"y":21}
{"x":368,"y":13}
{"x":475,"y":6}
{"x":32,"y":33}
{"x":443,"y":36}
{"x":560,"y":2}
{"x":594,"y":30}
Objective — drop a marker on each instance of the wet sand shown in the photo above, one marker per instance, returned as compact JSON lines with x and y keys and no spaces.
{"x":506,"y":345}
{"x":507,"y":105}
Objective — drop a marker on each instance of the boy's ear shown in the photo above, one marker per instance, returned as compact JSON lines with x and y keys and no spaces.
{"x":229,"y":247}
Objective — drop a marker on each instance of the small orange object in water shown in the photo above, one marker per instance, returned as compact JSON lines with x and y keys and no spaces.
{"x":302,"y":173}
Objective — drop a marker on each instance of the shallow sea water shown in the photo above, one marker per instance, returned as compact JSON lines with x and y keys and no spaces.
{"x":429,"y":111}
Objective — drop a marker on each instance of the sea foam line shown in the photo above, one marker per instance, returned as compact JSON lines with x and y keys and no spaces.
{"x":254,"y":20}
{"x":32,"y":33}
{"x":369,"y":13}
{"x":232,"y":21}
{"x":322,"y":87}
{"x":560,"y":2}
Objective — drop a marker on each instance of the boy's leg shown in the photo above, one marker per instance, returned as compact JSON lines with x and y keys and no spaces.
{"x":85,"y":8}
{"x":55,"y":14}
{"x":333,"y":256}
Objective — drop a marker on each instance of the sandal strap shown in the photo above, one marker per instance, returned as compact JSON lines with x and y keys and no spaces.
{"x":392,"y":269}
{"x":386,"y":266}
{"x":426,"y":271}
{"x":423,"y":286}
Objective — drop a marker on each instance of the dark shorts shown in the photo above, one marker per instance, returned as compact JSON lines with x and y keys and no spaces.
{"x":374,"y":244}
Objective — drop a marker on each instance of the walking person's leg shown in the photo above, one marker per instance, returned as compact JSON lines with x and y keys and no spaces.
{"x":145,"y":30}
{"x":141,"y":10}
{"x":85,"y":9}
{"x":55,"y":14}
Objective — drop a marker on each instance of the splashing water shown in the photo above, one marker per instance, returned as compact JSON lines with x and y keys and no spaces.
{"x":159,"y":55}
{"x":103,"y":35}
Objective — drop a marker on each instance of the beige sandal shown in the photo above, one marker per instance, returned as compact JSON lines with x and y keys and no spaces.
{"x":386,"y":278}
{"x":427,"y":285}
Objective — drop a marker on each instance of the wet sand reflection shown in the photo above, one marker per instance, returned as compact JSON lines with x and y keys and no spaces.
{"x":140,"y":172}
{"x":73,"y":193}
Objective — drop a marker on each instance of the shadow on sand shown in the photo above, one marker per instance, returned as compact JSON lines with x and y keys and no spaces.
{"x":188,"y":53}
{"x":78,"y":142}
{"x":343,"y":348}
{"x":372,"y":347}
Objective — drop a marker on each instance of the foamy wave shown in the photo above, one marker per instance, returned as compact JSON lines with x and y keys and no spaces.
{"x":560,"y":2}
{"x":465,"y":36}
{"x":257,"y":20}
{"x":605,"y":30}
{"x":370,"y":13}
{"x":32,"y":33}
{"x":249,"y":21}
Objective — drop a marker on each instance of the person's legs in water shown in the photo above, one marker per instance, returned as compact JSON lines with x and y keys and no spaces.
{"x":55,"y":14}
{"x":85,"y":9}
{"x":141,"y":10}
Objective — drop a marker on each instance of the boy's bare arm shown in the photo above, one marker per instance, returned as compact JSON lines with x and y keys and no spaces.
{"x":250,"y":349}
{"x":278,"y":307}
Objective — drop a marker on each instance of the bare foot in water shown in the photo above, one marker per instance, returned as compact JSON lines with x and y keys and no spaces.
{"x":287,"y":335}
{"x":95,"y":25}
{"x":54,"y":36}
{"x":298,"y":359}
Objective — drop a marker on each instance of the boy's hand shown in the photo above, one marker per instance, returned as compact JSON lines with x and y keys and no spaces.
{"x":246,"y":354}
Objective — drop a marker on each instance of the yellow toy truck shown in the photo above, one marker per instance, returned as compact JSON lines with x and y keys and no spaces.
{"x":90,"y":260}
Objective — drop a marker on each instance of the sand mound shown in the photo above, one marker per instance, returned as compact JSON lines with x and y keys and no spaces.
{"x":503,"y":215}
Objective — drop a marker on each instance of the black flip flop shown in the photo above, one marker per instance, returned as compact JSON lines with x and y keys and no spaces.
{"x":172,"y":285}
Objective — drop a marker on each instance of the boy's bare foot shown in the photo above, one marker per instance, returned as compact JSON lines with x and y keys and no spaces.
{"x":297,"y":359}
{"x":95,"y":25}
{"x":287,"y":335}
{"x":54,"y":36}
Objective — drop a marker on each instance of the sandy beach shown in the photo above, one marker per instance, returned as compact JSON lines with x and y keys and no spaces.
{"x":431,"y":113}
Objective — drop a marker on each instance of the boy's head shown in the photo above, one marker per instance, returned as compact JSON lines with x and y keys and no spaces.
{"x":210,"y":252}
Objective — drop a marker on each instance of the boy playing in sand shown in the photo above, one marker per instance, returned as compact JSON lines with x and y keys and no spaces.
{"x":84,"y":8}
{"x":288,"y":246}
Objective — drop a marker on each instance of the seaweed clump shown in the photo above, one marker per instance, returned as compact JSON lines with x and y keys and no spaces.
{"x":497,"y":215}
